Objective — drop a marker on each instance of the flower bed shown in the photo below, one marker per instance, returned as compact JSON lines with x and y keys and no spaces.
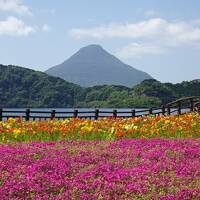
{"x":183,"y":126}
{"x":124,"y":169}
{"x":140,"y":158}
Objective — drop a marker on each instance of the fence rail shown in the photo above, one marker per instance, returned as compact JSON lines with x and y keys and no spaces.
{"x":180,"y":106}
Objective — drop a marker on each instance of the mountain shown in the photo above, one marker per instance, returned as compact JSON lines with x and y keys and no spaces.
{"x":92,"y":65}
{"x":21,"y":87}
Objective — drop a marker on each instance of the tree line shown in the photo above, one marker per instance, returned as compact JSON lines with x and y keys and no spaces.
{"x":21,"y":87}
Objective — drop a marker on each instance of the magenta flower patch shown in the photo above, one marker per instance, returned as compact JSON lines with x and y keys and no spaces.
{"x":124,"y":169}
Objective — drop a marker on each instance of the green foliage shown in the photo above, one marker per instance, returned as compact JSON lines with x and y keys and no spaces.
{"x":167,"y":92}
{"x":21,"y":87}
{"x":154,"y":88}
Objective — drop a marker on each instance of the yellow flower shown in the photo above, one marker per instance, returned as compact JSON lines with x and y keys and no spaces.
{"x":17,"y":132}
{"x":167,"y":121}
{"x":11,"y":121}
{"x":87,"y":128}
{"x":135,"y":127}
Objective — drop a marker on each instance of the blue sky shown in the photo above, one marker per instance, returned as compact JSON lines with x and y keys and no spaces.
{"x":158,"y":37}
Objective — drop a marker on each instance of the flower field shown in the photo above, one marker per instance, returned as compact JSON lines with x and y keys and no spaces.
{"x":146,"y":158}
{"x":184,"y":126}
{"x":124,"y":169}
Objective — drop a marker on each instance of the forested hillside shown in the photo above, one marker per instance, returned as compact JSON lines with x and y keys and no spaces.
{"x":21,"y":87}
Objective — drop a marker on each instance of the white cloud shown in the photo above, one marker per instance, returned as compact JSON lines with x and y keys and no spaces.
{"x":153,"y":30}
{"x":138,"y":50}
{"x":15,"y":27}
{"x":46,"y":28}
{"x":15,"y":6}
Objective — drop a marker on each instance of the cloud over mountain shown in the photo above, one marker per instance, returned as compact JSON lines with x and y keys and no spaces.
{"x":154,"y":35}
{"x":157,"y":28}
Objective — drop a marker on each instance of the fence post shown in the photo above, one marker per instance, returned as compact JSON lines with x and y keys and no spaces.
{"x":150,"y":111}
{"x":168,"y":110}
{"x":1,"y":114}
{"x":96,"y":114}
{"x":27,"y":115}
{"x":163,"y":110}
{"x":179,"y":108}
{"x":115,"y":114}
{"x":191,"y":105}
{"x":53,"y":114}
{"x":133,"y":113}
{"x":75,"y":113}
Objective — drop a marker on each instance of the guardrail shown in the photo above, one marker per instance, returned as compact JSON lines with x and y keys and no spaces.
{"x":193,"y":103}
{"x":180,"y":106}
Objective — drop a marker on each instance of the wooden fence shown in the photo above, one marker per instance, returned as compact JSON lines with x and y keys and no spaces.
{"x":180,"y":106}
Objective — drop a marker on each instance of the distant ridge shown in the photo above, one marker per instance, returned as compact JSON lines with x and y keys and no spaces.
{"x":92,"y":65}
{"x":23,"y":88}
